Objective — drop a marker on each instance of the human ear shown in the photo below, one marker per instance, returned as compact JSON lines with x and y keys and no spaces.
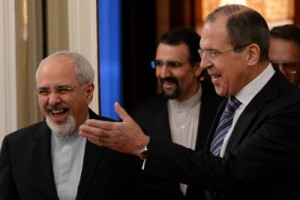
{"x":89,"y":92}
{"x":197,"y":69}
{"x":253,"y":54}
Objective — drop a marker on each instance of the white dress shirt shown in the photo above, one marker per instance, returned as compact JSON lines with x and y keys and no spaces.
{"x":67,"y":160}
{"x":183,"y":119}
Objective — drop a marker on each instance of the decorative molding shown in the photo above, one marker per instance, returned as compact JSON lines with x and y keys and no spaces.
{"x":8,"y":100}
{"x":83,"y":37}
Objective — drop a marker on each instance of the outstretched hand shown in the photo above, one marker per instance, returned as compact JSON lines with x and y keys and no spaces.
{"x":125,"y":136}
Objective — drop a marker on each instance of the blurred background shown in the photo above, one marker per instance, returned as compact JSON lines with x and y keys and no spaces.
{"x":118,"y":37}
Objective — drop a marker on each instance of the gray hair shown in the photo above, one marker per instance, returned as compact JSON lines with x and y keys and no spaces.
{"x":83,"y":69}
{"x":244,"y":26}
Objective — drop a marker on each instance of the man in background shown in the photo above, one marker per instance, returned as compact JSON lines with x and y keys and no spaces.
{"x":184,"y":110}
{"x":284,"y":51}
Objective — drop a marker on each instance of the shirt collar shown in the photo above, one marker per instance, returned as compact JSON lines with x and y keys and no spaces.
{"x":251,"y":89}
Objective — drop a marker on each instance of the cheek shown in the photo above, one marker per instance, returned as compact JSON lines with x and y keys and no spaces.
{"x":42,"y":105}
{"x":186,"y":79}
{"x":233,"y":77}
{"x":157,"y":72}
{"x":77,"y":101}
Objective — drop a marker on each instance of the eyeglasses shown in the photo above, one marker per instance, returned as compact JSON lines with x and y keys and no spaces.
{"x":170,"y":64}
{"x":289,"y":68}
{"x":44,"y":92}
{"x":215,"y":53}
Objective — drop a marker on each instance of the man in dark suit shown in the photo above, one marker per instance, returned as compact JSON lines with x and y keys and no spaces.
{"x":259,"y":157}
{"x":50,"y":160}
{"x":284,"y":52}
{"x":183,"y":110}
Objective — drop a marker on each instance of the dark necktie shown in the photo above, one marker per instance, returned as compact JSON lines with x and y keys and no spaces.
{"x":224,"y":125}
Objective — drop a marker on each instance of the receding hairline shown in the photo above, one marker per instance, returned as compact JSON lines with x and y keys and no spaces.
{"x":51,"y":58}
{"x":227,"y":11}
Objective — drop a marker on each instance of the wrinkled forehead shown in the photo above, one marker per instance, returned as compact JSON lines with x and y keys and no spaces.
{"x":214,"y":33}
{"x":57,"y":63}
{"x":57,"y":68}
{"x":282,"y":50}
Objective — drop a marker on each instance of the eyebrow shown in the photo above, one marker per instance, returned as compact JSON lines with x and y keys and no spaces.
{"x":58,"y":86}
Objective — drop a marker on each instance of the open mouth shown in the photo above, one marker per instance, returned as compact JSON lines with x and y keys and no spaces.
{"x":58,"y":113}
{"x":167,"y":84}
{"x":214,"y":78}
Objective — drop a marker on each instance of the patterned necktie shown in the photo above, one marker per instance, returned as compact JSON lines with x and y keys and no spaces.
{"x":224,"y":125}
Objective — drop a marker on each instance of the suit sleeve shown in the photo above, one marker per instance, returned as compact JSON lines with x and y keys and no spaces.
{"x":268,"y":153}
{"x":7,"y":187}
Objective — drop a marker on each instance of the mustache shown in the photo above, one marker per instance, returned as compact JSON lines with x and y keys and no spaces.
{"x":57,"y":107}
{"x":168,"y":79}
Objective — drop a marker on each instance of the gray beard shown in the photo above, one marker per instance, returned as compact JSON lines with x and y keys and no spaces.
{"x":64,"y":129}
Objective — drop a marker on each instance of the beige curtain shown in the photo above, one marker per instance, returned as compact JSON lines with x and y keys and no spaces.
{"x":32,"y":46}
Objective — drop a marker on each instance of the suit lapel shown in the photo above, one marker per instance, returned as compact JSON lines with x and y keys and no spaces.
{"x":42,"y":161}
{"x":243,"y":124}
{"x":269,"y":92}
{"x":92,"y":157}
{"x":161,"y":129}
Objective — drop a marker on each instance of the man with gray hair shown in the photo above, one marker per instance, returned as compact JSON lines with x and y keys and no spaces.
{"x":253,"y":149}
{"x":49,"y":159}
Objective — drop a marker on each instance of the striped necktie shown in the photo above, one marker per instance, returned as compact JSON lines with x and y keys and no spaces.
{"x":224,"y":125}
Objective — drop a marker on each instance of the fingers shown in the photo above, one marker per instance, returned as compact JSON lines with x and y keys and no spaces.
{"x":125,"y":136}
{"x":89,"y":132}
{"x":122,"y":112}
{"x":104,"y":125}
{"x":94,"y":132}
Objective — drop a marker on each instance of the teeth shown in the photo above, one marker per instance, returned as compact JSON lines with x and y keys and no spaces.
{"x":57,"y":111}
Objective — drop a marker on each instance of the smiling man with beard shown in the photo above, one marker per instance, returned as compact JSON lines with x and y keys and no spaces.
{"x":50,"y":160}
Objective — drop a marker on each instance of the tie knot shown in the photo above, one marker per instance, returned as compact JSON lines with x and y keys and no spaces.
{"x":232,"y":104}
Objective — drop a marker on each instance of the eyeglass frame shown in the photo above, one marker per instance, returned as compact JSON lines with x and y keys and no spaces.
{"x":170,"y":64}
{"x":214,"y":53}
{"x":61,"y":90}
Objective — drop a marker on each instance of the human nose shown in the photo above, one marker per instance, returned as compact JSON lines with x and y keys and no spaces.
{"x":164,"y":71}
{"x":205,"y":63}
{"x":53,"y":98}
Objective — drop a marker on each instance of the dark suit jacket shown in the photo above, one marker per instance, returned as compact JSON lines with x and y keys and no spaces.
{"x":262,"y":160}
{"x":26,"y":168}
{"x":152,"y":116}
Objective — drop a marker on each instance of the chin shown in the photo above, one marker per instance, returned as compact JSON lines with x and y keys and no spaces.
{"x":66,"y":128}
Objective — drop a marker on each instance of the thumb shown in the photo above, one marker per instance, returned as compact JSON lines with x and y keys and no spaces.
{"x":122,"y":112}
